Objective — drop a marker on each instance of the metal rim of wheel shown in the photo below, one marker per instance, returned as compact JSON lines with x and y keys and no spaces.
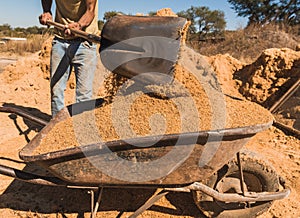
{"x":259,"y":176}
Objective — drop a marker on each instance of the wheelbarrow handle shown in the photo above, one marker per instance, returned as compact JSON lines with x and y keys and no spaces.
{"x":80,"y":33}
{"x":30,"y":177}
{"x":23,"y":114}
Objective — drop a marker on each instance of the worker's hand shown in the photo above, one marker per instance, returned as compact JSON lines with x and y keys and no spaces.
{"x":45,"y":17}
{"x":74,"y":25}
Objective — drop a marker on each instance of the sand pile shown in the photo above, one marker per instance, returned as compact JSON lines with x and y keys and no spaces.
{"x":164,"y":12}
{"x":23,"y":83}
{"x":269,"y":76}
{"x":263,"y":81}
{"x":29,"y":79}
{"x":225,"y":66}
{"x":142,"y":113}
{"x":44,"y":57}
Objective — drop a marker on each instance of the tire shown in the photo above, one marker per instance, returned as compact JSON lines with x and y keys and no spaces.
{"x":259,"y":176}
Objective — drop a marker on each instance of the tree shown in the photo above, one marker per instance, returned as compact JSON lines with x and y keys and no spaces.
{"x":35,"y":30}
{"x":266,"y":11}
{"x":289,"y":12}
{"x":110,"y":14}
{"x":152,"y":13}
{"x":100,"y":24}
{"x":204,"y":21}
{"x":5,"y":27}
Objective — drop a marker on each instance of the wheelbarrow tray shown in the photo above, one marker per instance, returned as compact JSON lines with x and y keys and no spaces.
{"x":208,"y":152}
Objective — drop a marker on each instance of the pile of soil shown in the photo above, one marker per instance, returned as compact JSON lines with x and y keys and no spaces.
{"x":222,"y":64}
{"x":5,"y":60}
{"x":269,"y":76}
{"x":166,"y":12}
{"x":139,"y":109}
{"x":264,"y":81}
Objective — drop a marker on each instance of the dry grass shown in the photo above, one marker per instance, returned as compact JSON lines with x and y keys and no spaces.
{"x":243,"y":44}
{"x":32,"y":44}
{"x":247,"y":44}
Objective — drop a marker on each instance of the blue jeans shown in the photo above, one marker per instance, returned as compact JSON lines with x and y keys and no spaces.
{"x":65,"y":55}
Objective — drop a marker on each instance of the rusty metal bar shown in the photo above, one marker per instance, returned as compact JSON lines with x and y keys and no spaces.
{"x":287,"y":128}
{"x":238,"y":155}
{"x":162,"y":140}
{"x":96,"y":207}
{"x":154,"y":198}
{"x":279,"y":103}
{"x":224,"y":197}
{"x":285,"y":97}
{"x":29,"y":177}
{"x":24,"y":114}
{"x":249,"y":196}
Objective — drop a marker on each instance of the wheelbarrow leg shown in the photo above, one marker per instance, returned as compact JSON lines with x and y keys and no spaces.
{"x":242,"y":182}
{"x":95,"y":206}
{"x":155,"y":197}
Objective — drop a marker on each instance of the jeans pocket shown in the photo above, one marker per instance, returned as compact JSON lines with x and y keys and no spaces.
{"x":54,"y":41}
{"x":88,"y":44}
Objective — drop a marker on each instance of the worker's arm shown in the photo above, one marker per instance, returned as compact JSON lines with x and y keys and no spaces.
{"x":87,"y":17}
{"x":46,"y":15}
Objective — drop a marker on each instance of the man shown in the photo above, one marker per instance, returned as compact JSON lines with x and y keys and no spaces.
{"x":69,"y":51}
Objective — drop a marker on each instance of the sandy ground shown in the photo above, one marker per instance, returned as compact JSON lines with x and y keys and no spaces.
{"x":25,"y":86}
{"x":6,"y":59}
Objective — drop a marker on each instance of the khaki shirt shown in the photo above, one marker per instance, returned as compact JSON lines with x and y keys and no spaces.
{"x":68,"y":11}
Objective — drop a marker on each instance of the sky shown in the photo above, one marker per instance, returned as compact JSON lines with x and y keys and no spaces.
{"x":24,"y":13}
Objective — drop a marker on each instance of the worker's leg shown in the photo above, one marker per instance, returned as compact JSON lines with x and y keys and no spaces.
{"x":85,"y":62}
{"x":59,"y":68}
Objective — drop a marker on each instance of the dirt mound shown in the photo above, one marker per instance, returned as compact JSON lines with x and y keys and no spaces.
{"x":264,"y":81}
{"x":27,"y":83}
{"x":225,"y":66}
{"x":166,"y":12}
{"x":131,"y":114}
{"x":23,"y":83}
{"x":17,"y":70}
{"x":44,"y":57}
{"x":269,"y":76}
{"x":39,"y":61}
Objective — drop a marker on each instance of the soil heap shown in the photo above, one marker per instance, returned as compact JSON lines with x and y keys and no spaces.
{"x":143,"y":113}
{"x":269,"y":76}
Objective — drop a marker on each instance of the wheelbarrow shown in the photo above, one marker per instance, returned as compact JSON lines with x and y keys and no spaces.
{"x":244,"y":186}
{"x":231,"y":182}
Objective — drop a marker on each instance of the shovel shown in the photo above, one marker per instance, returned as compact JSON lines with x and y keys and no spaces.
{"x":79,"y":33}
{"x":142,"y":48}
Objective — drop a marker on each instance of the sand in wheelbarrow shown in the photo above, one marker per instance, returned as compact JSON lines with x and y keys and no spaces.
{"x":136,"y":110}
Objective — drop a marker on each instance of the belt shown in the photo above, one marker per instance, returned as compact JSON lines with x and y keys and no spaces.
{"x":78,"y":39}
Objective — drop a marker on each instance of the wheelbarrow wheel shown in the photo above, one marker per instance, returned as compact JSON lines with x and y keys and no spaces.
{"x":259,"y":176}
